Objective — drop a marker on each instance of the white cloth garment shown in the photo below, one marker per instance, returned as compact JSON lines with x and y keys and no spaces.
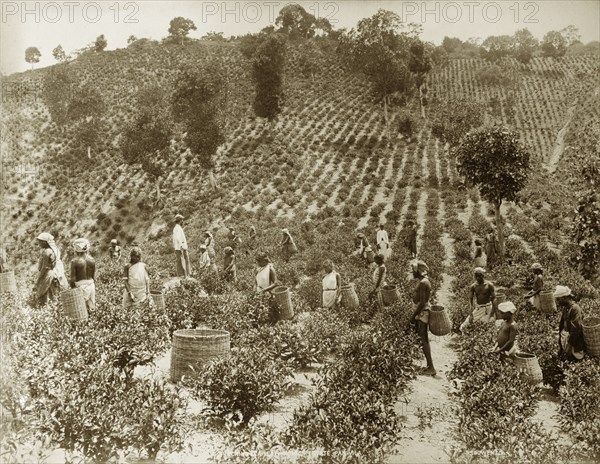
{"x":481,"y":313}
{"x":137,"y":277}
{"x":89,"y":292}
{"x":263,"y":279}
{"x":329,"y":290}
{"x":179,"y":241}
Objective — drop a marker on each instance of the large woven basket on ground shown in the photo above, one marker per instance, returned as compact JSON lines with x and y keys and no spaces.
{"x":439,"y":321}
{"x":349,"y":296}
{"x":74,"y":304}
{"x":159,"y":300}
{"x":283,"y":298}
{"x":8,"y":282}
{"x":528,"y":363}
{"x":193,"y":348}
{"x":389,"y":294}
{"x":547,"y":302}
{"x":591,"y":335}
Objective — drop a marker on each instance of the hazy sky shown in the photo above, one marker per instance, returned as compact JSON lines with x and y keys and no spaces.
{"x":74,"y":24}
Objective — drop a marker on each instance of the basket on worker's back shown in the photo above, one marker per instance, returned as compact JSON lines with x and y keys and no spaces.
{"x":283,"y":298}
{"x":193,"y":348}
{"x":159,"y":300}
{"x":73,"y":304}
{"x":439,"y":321}
{"x":528,"y":363}
{"x":389,"y":294}
{"x":591,"y":335}
{"x":8,"y":282}
{"x":349,"y":296}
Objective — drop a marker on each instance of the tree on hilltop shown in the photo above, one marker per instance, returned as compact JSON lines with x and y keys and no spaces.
{"x":32,"y":55}
{"x":267,"y":71}
{"x":297,"y":23}
{"x":571,"y":35}
{"x":525,"y":44}
{"x":380,"y":47}
{"x":554,"y":45}
{"x":494,"y":160}
{"x":495,"y":48}
{"x":180,"y":27}
{"x":131,"y":39}
{"x":59,"y":54}
{"x":100,"y":43}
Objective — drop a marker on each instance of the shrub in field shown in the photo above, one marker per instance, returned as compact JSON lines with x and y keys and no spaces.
{"x":285,"y":342}
{"x":325,"y":330}
{"x":580,"y":404}
{"x":243,"y":385}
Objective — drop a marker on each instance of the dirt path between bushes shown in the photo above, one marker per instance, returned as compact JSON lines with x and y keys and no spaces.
{"x":428,"y":411}
{"x":559,"y":145}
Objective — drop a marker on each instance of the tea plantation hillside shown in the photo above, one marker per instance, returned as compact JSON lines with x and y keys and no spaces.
{"x":328,"y":148}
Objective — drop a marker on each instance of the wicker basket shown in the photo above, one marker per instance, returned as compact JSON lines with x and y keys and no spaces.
{"x":528,"y":363}
{"x":439,"y":321}
{"x":370,"y":255}
{"x":159,"y":300}
{"x":193,"y":348}
{"x":74,"y":304}
{"x":8,"y":283}
{"x":389,"y":294}
{"x":283,"y":299}
{"x":591,"y":335}
{"x":349,"y":296}
{"x":547,"y":302}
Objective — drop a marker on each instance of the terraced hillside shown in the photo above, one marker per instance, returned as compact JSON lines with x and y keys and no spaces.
{"x":327,"y":149}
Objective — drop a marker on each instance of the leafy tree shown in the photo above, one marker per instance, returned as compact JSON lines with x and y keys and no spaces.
{"x":311,"y":59}
{"x":420,"y":64}
{"x":571,"y":35}
{"x":58,"y":86}
{"x":494,"y":48}
{"x":146,"y":140}
{"x":131,"y":39}
{"x":554,"y":45}
{"x":451,"y":44}
{"x":180,"y":27}
{"x":85,"y":110}
{"x":525,"y":45}
{"x":267,"y":71}
{"x":452,"y":119}
{"x":100,"y":43}
{"x":32,"y":55}
{"x":297,"y":23}
{"x":381,"y":49}
{"x":197,"y":104}
{"x":494,"y":160}
{"x":59,"y":54}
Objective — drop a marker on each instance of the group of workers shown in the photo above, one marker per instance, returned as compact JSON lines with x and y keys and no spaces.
{"x":483,"y":303}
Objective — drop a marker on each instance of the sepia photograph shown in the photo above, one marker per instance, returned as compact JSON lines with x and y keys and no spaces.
{"x":329,"y":232}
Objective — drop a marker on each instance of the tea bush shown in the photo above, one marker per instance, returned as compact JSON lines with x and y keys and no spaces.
{"x":243,"y":385}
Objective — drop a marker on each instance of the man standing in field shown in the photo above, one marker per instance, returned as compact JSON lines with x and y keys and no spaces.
{"x":383,"y":241}
{"x":411,"y":238}
{"x":491,"y":249}
{"x":420,"y":318}
{"x":83,"y":270}
{"x":481,"y":296}
{"x":182,"y":259}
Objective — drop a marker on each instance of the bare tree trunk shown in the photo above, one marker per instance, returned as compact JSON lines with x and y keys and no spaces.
{"x":158,"y":190}
{"x":89,"y":153}
{"x":500,"y":229}
{"x":385,"y":115}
